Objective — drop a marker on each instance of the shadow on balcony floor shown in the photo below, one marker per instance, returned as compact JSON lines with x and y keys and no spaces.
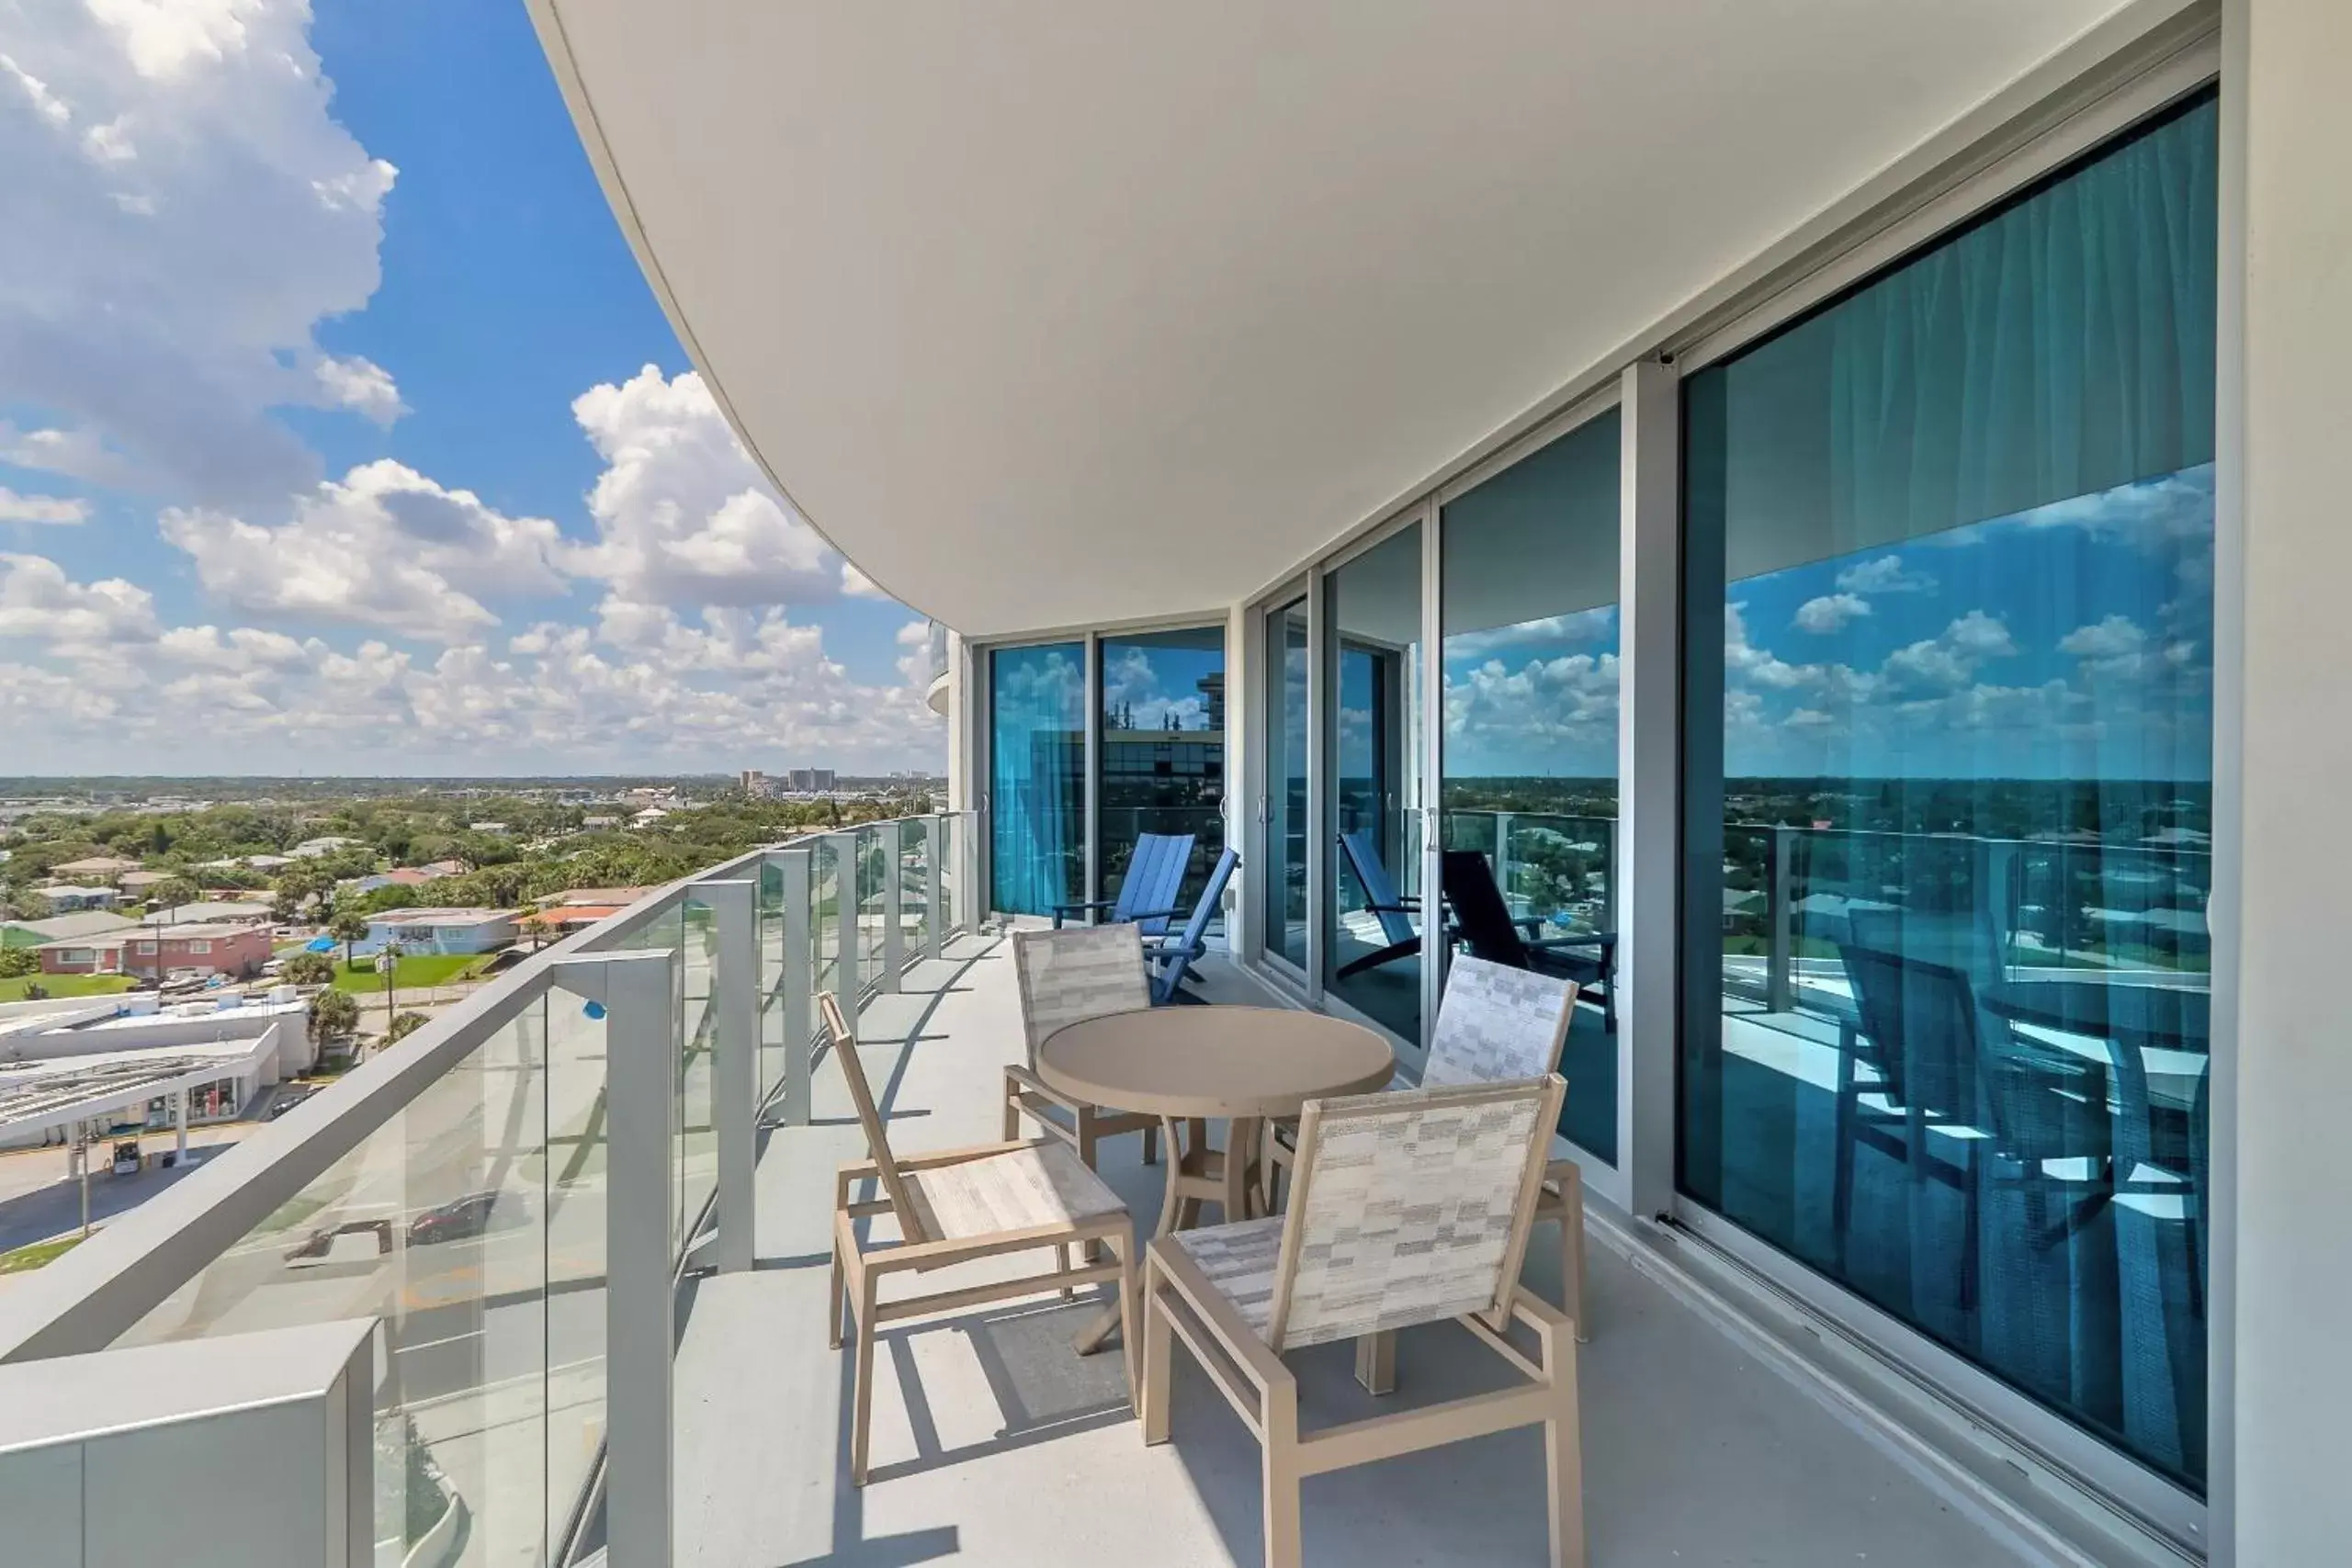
{"x":994,"y":1444}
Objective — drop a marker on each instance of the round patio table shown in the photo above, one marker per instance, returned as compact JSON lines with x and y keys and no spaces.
{"x":1190,"y":1065}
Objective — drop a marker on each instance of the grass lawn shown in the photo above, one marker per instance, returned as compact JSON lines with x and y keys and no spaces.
{"x":65,"y":985}
{"x":416,"y":969}
{"x":30,"y":1258}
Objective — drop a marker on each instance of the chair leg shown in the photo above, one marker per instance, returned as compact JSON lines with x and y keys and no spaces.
{"x":1159,"y":1344}
{"x":1011,"y":1111}
{"x":833,"y":1300}
{"x":1572,"y":1251}
{"x":1089,"y":1153}
{"x":1061,"y":1265}
{"x":862,"y":1399}
{"x":1126,"y":1247}
{"x":1564,"y":1453}
{"x":1151,"y":1146}
{"x":1377,"y":1362}
{"x":1281,"y":1479}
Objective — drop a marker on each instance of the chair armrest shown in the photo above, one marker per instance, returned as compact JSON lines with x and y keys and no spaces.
{"x":1061,"y":909}
{"x":1605,"y":940}
{"x":1037,"y":1086}
{"x":1143,"y":915}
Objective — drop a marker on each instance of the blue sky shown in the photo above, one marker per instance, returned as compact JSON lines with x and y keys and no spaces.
{"x":339,"y":432}
{"x":2074,"y":640}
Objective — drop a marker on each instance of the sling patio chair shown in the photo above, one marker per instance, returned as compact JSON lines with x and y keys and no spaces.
{"x":1171,"y":957}
{"x":1410,"y":1208}
{"x":1065,"y":975}
{"x":959,"y":1206}
{"x":1496,"y":1023}
{"x":1148,"y":893}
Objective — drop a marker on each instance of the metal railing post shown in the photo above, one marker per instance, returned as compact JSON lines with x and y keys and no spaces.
{"x":849,"y":984}
{"x":1779,"y":988}
{"x":640,"y":1209}
{"x":894,"y":903}
{"x":1503,"y":855}
{"x":735,"y":1065}
{"x":797,"y":983}
{"x":934,"y":919}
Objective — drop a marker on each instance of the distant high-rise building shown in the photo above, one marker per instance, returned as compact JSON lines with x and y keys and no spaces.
{"x":812,"y":780}
{"x":754,"y":781}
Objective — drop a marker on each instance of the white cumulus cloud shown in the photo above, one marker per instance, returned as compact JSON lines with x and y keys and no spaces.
{"x":57,"y":509}
{"x":1830,"y":612}
{"x":384,"y":547}
{"x":182,"y":212}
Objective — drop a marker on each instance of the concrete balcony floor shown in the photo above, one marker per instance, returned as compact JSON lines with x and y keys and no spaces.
{"x":994,"y":1443}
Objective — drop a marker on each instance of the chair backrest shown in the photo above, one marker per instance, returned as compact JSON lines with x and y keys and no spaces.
{"x":842,"y":1039}
{"x":1195,"y":931}
{"x":1155,"y":876}
{"x":1497,"y":1023}
{"x":1082,"y":972}
{"x":1379,"y":889}
{"x":1922,"y":1018}
{"x":1410,"y":1207}
{"x":1480,"y":915}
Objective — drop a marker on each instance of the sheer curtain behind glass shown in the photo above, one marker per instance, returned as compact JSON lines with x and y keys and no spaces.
{"x":1037,"y":778}
{"x":1950,"y":789}
{"x":1530,"y":619}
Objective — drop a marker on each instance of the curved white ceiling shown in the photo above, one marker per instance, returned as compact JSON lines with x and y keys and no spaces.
{"x":1054,"y":313}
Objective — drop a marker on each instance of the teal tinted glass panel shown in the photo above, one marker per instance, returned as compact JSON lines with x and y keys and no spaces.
{"x":1037,"y":778}
{"x":1949,"y":693}
{"x":1530,"y":621}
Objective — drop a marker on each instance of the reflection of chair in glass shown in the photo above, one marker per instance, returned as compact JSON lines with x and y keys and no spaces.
{"x":1064,"y":976}
{"x":1148,"y":893}
{"x":1410,"y":1208}
{"x":1961,"y":1101}
{"x":1171,"y":957}
{"x":1396,"y":914}
{"x":958,"y":1206}
{"x":1483,"y":923}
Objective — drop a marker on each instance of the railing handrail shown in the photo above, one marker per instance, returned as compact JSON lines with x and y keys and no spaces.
{"x":89,"y":1297}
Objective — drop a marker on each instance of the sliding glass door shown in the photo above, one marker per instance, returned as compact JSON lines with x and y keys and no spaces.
{"x":1529,"y":569}
{"x":1282,"y":886}
{"x":1162,"y":749}
{"x":1949,"y":690}
{"x":1373,"y":923}
{"x":1036,"y":777}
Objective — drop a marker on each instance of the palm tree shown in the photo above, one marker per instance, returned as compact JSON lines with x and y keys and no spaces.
{"x":348,"y":927}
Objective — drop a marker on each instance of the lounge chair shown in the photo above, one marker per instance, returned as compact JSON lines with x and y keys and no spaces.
{"x":1410,"y":1208}
{"x":1483,"y":924}
{"x":959,"y":1206}
{"x":1396,"y":913}
{"x":1171,"y":958}
{"x":1147,"y":897}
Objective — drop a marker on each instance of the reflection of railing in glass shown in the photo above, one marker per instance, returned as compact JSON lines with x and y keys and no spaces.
{"x":2009,"y":908}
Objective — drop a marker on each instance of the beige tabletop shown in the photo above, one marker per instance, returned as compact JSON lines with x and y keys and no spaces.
{"x":1213,"y":1062}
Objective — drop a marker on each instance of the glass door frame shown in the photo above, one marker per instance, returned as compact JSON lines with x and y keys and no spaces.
{"x":1616,"y":1183}
{"x":1252,"y":698}
{"x":982,"y":734}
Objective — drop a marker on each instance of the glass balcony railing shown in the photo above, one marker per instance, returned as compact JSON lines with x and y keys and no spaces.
{"x":459,"y":1187}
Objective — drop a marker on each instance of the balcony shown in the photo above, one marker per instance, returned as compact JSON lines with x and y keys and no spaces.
{"x":544,"y":1192}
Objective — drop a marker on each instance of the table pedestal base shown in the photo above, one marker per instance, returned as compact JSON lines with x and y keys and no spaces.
{"x":1196,"y":1174}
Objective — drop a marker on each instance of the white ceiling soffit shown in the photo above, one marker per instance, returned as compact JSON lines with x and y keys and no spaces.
{"x":1050,"y":314}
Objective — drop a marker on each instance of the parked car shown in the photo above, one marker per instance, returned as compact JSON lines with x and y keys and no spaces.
{"x":290,"y":1101}
{"x":319,"y":1243}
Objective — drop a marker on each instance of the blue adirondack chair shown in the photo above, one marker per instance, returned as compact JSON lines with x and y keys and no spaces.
{"x":1381,"y":900}
{"x":1170,"y":958}
{"x":1148,"y":895}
